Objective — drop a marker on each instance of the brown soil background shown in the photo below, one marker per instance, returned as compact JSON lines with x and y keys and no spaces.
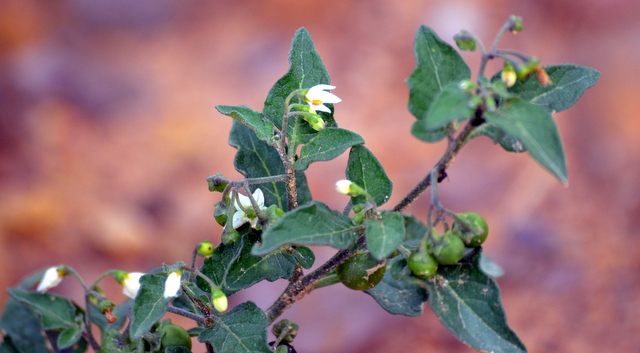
{"x":108,"y":130}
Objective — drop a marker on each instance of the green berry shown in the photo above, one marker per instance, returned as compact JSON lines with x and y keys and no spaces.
{"x":449,"y":249}
{"x":477,"y":229}
{"x":361,"y":271}
{"x":422,"y":265}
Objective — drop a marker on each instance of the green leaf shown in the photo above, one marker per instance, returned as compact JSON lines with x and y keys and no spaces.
{"x":56,"y":312}
{"x":150,"y":304}
{"x":232,"y":267}
{"x":241,"y":330}
{"x":364,"y":169}
{"x":327,"y":145}
{"x":69,"y":337}
{"x":415,"y":231}
{"x":255,"y":159}
{"x":468,"y":303}
{"x":448,"y":106}
{"x":437,"y":64}
{"x":383,"y":236}
{"x":304,"y":256}
{"x":420,"y":131}
{"x":305,"y":71}
{"x":329,"y":228}
{"x":22,"y":327}
{"x":508,"y":142}
{"x":537,"y":131}
{"x":399,"y":293}
{"x":254,"y":120}
{"x":569,"y":83}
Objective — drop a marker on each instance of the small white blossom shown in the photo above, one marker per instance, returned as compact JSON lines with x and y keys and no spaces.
{"x":172,"y":284}
{"x":318,"y":95}
{"x":51,"y":278}
{"x":240,"y":217}
{"x":131,"y":284}
{"x":343,"y":187}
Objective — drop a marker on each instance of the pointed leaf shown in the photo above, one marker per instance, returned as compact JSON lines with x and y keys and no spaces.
{"x":69,"y":337}
{"x":254,"y":120}
{"x":241,"y":330}
{"x":255,"y":159}
{"x":311,"y":224}
{"x":437,"y":64}
{"x":364,"y":169}
{"x":232,"y":267}
{"x":384,"y":235}
{"x":327,"y":145}
{"x":448,"y":106}
{"x":400,"y":293}
{"x":537,"y":131}
{"x":569,"y":83}
{"x":305,"y":71}
{"x":56,"y":312}
{"x":468,"y":303}
{"x":415,"y":231}
{"x":22,"y":327}
{"x":150,"y":304}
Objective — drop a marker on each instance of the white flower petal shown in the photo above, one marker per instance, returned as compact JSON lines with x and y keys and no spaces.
{"x":172,"y":284}
{"x":131,"y":284}
{"x":239,"y":218}
{"x":50,"y":279}
{"x":320,"y":107}
{"x":343,"y":187}
{"x":259,"y":197}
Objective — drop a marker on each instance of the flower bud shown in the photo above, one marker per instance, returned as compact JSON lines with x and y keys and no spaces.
{"x":468,"y":85}
{"x":465,"y":41}
{"x":217,"y":182}
{"x":315,"y":121}
{"x":205,"y":249}
{"x":130,"y":282}
{"x":172,"y":284}
{"x":347,"y":187}
{"x":51,"y":278}
{"x":508,"y":75}
{"x":220,"y":301}
{"x":515,"y":24}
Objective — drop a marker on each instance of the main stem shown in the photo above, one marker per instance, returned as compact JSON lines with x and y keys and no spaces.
{"x":441,"y":166}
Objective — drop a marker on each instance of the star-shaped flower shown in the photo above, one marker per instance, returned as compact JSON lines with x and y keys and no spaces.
{"x":240,"y":217}
{"x":318,"y":95}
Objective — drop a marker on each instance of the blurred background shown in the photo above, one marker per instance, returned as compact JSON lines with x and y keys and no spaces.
{"x":108,"y":131}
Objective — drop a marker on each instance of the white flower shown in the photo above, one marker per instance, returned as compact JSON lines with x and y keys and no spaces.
{"x":51,"y":278}
{"x":240,"y":217}
{"x":343,"y":186}
{"x":317,"y":95}
{"x":172,"y":284}
{"x":131,"y":284}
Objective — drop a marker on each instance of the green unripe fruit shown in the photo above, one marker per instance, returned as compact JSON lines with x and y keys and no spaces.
{"x":449,"y":250}
{"x":361,"y":271}
{"x":477,"y":229}
{"x":174,"y":335}
{"x":422,"y":265}
{"x":205,"y":249}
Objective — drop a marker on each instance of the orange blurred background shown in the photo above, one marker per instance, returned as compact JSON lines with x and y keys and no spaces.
{"x":108,"y":131}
